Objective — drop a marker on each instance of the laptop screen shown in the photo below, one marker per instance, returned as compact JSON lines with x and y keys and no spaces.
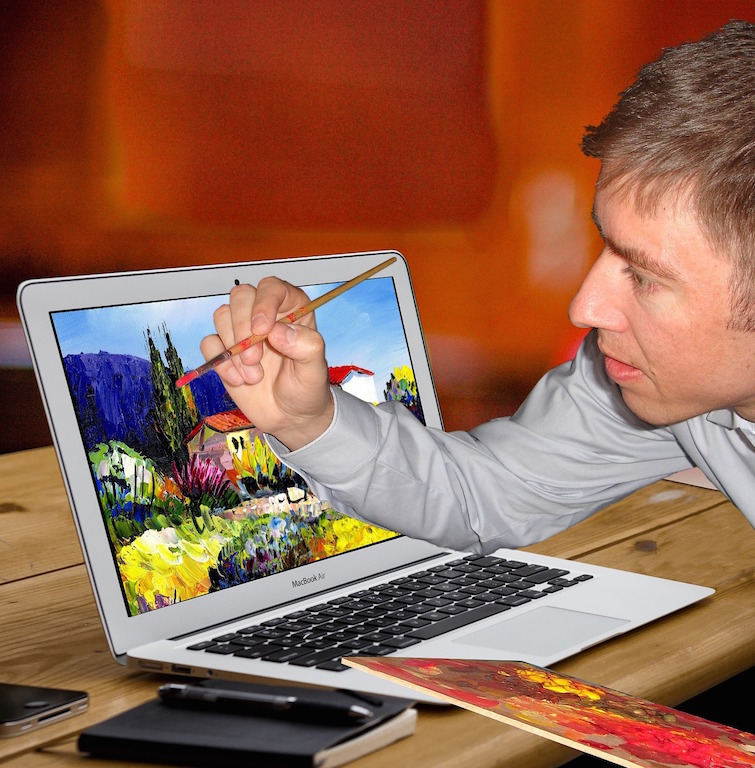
{"x":192,"y":498}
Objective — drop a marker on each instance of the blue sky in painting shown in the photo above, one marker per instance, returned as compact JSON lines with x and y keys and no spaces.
{"x":361,"y":327}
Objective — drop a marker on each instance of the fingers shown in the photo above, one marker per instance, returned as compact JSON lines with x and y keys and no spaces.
{"x":252,"y":311}
{"x":236,"y":321}
{"x":273,"y":297}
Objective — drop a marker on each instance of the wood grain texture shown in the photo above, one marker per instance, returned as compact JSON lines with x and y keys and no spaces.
{"x":37,"y":534}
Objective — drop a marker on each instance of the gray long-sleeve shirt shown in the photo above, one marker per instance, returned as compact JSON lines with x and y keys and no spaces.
{"x":572,"y":448}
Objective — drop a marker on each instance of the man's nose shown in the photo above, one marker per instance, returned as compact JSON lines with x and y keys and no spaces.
{"x":597,"y":303}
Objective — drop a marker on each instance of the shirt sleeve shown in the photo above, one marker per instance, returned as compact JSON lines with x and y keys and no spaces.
{"x":571,"y":448}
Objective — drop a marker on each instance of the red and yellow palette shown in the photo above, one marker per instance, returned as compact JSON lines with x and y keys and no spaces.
{"x":600,"y":721}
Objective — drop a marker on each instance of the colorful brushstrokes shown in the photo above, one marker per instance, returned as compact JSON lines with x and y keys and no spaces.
{"x":192,"y":497}
{"x":607,"y":723}
{"x":402,"y":387}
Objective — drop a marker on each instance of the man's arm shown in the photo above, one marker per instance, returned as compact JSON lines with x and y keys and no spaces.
{"x":572,"y":448}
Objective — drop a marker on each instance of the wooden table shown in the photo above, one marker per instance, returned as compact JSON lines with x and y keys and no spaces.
{"x":50,"y":633}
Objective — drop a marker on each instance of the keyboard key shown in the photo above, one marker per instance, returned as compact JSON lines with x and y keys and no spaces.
{"x":484,"y":561}
{"x":333,"y":665}
{"x":203,"y":646}
{"x":469,"y":602}
{"x":528,"y":570}
{"x":546,"y":575}
{"x":401,"y":642}
{"x":313,"y":659}
{"x":377,"y":650}
{"x":224,"y":649}
{"x":514,"y":600}
{"x":225,"y":638}
{"x":456,"y":622}
{"x":419,"y":621}
{"x":285,"y":655}
{"x":521,"y":584}
{"x":250,"y":653}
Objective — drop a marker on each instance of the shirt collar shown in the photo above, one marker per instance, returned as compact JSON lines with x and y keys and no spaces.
{"x":728,"y":418}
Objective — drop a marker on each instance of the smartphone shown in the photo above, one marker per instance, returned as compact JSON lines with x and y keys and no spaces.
{"x":27,"y":707}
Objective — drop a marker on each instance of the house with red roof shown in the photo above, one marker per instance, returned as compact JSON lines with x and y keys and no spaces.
{"x":357,"y":381}
{"x":213,"y":437}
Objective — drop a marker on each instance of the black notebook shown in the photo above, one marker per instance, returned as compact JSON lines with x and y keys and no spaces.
{"x":157,"y":733}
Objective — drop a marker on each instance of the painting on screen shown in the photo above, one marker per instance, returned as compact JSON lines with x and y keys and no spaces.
{"x":193,"y":499}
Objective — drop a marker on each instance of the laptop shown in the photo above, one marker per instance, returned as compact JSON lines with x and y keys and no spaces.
{"x":210,"y":558}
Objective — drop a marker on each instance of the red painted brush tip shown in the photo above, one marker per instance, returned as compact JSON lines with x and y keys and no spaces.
{"x":185,"y":379}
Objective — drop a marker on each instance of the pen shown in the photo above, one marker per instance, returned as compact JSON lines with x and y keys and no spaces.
{"x":266,"y":704}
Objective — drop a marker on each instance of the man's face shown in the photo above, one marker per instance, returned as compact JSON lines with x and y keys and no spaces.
{"x":659,"y":297}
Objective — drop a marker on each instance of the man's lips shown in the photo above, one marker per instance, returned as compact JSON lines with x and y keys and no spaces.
{"x":620,"y":373}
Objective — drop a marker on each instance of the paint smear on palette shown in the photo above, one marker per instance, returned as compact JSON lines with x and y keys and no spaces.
{"x":600,"y":721}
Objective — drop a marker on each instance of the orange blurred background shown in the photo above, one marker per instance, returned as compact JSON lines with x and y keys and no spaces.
{"x":151,"y":133}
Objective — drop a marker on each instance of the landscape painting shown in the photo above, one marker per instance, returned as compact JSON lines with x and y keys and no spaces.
{"x":192,"y":497}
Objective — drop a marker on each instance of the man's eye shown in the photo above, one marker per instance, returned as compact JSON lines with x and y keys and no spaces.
{"x":637,"y":278}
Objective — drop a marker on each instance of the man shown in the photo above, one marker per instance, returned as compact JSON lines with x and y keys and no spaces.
{"x":665,"y":381}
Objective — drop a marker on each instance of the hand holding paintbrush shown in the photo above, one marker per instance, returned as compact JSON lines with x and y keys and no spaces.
{"x":289,"y":318}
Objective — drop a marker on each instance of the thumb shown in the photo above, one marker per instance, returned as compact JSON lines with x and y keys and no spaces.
{"x":297,"y":342}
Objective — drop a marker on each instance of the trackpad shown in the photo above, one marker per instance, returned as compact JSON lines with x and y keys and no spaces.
{"x":543,"y":631}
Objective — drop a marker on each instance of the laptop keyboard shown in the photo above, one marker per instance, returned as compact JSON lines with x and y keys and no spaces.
{"x":398,"y":614}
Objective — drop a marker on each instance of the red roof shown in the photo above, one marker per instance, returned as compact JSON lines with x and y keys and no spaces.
{"x":228,"y":421}
{"x":339,"y":372}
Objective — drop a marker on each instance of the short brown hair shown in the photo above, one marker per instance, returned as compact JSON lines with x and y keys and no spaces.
{"x":687,"y":124}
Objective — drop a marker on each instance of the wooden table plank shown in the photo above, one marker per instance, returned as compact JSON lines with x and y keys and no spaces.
{"x":634,"y":517}
{"x":37,"y":534}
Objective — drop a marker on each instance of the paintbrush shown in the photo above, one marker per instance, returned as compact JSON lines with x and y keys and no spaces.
{"x":289,"y":318}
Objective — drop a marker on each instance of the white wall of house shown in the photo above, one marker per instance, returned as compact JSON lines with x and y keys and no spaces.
{"x":360,"y":385}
